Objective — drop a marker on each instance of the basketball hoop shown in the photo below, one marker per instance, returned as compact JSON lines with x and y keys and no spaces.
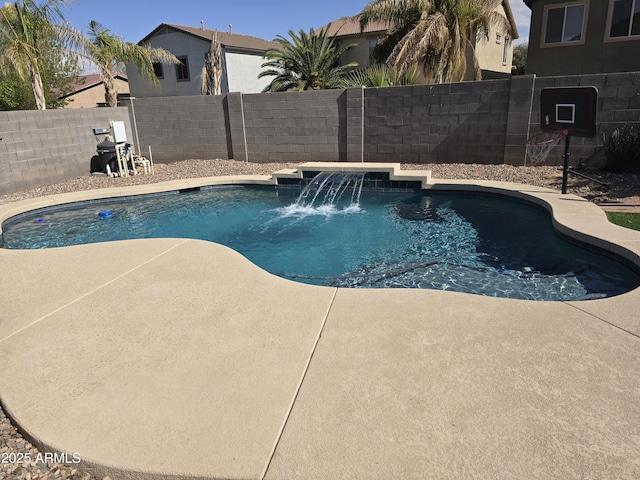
{"x":539,"y":146}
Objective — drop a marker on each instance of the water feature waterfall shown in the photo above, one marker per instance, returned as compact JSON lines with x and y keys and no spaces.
{"x":328,"y":188}
{"x":325,"y":196}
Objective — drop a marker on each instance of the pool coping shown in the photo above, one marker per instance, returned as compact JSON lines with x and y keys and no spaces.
{"x":310,"y":339}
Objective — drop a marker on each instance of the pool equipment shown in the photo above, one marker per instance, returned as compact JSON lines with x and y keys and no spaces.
{"x":115,"y":156}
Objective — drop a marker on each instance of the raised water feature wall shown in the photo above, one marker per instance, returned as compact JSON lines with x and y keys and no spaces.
{"x":379,"y":176}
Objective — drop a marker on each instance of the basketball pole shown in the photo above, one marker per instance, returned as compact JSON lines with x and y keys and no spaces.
{"x":566,"y":156}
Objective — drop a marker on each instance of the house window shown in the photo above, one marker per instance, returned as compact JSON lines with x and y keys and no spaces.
{"x":624,"y":19}
{"x":372,"y":45}
{"x":565,"y":23}
{"x":158,"y":70}
{"x":505,"y":51}
{"x":182,"y":69}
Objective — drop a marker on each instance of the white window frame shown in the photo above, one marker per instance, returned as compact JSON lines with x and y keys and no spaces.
{"x":607,"y":30}
{"x":583,"y":33}
{"x":505,"y":50}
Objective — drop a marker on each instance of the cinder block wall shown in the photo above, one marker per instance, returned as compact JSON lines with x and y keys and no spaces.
{"x":180,"y":128}
{"x":448,"y":123}
{"x":470,"y":122}
{"x":293,"y":126}
{"x":40,"y":148}
{"x":618,"y":105}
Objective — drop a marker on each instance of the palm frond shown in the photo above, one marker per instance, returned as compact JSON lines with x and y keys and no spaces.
{"x":433,"y":33}
{"x":305,"y":61}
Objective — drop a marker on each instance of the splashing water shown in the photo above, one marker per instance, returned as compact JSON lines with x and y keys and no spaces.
{"x":324,"y":194}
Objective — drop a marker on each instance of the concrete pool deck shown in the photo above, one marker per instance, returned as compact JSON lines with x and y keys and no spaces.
{"x":179,"y":358}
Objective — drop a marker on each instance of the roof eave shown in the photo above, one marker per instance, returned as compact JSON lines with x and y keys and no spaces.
{"x":512,"y":21}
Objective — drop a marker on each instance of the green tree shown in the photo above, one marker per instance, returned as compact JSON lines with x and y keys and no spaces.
{"x":59,"y":74}
{"x":308,"y":62}
{"x":109,"y":53}
{"x":15,"y":93}
{"x":28,"y":33}
{"x":520,"y":59}
{"x":435,"y":34}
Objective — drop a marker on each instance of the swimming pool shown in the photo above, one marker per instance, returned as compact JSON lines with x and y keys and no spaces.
{"x":463,"y":242}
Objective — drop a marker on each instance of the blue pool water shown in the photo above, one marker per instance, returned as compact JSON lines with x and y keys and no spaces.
{"x":468,"y":243}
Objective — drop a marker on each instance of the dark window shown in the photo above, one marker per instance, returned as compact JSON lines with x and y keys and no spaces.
{"x":182,"y":69}
{"x":158,"y":70}
{"x":625,"y":19}
{"x":564,"y":24}
{"x":372,"y":46}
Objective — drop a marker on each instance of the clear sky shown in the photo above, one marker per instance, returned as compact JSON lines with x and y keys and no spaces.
{"x":134,"y":19}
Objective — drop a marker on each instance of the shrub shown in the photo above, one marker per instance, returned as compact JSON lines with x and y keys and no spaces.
{"x":623,"y":140}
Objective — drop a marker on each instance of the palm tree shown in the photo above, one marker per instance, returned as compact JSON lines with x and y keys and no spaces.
{"x":211,"y":76}
{"x":434,"y":33}
{"x":307,"y":62}
{"x":109,"y":52}
{"x":379,"y":76}
{"x":27,"y":33}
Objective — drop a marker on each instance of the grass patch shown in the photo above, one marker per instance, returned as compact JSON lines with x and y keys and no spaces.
{"x":625,"y":219}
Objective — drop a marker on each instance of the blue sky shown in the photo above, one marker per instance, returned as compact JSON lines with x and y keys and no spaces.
{"x":133,"y":19}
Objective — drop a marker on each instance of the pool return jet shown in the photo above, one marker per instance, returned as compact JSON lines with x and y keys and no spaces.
{"x":564,"y":112}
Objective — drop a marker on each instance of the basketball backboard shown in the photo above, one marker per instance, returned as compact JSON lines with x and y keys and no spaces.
{"x":569,"y":108}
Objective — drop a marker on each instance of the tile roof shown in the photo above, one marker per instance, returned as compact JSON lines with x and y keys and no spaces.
{"x":346,"y":26}
{"x":90,"y":81}
{"x":232,"y":40}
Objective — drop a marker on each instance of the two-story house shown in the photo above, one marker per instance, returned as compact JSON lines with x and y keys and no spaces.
{"x":493,"y":51}
{"x":583,"y":36}
{"x":242,"y":59}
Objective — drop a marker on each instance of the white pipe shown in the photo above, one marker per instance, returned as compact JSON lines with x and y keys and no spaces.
{"x":135,"y":124}
{"x":533,"y":89}
{"x":244,"y":130}
{"x":362,"y":129}
{"x":153,"y":171}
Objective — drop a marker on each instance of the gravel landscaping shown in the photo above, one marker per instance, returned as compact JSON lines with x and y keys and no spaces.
{"x":618,"y":186}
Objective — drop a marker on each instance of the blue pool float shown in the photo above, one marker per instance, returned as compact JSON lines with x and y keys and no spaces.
{"x":105,"y":213}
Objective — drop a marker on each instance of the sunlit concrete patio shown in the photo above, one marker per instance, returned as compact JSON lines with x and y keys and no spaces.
{"x":180,"y":358}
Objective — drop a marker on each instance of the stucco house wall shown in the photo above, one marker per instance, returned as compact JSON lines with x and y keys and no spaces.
{"x":242,"y":62}
{"x":593,"y":53}
{"x":93,"y":95}
{"x":241,"y":72}
{"x":495,"y":51}
{"x":361,"y":51}
{"x":180,"y":45}
{"x":491,"y":55}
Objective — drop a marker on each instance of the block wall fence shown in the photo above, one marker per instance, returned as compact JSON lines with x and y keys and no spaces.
{"x":485,"y":122}
{"x":39,"y":148}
